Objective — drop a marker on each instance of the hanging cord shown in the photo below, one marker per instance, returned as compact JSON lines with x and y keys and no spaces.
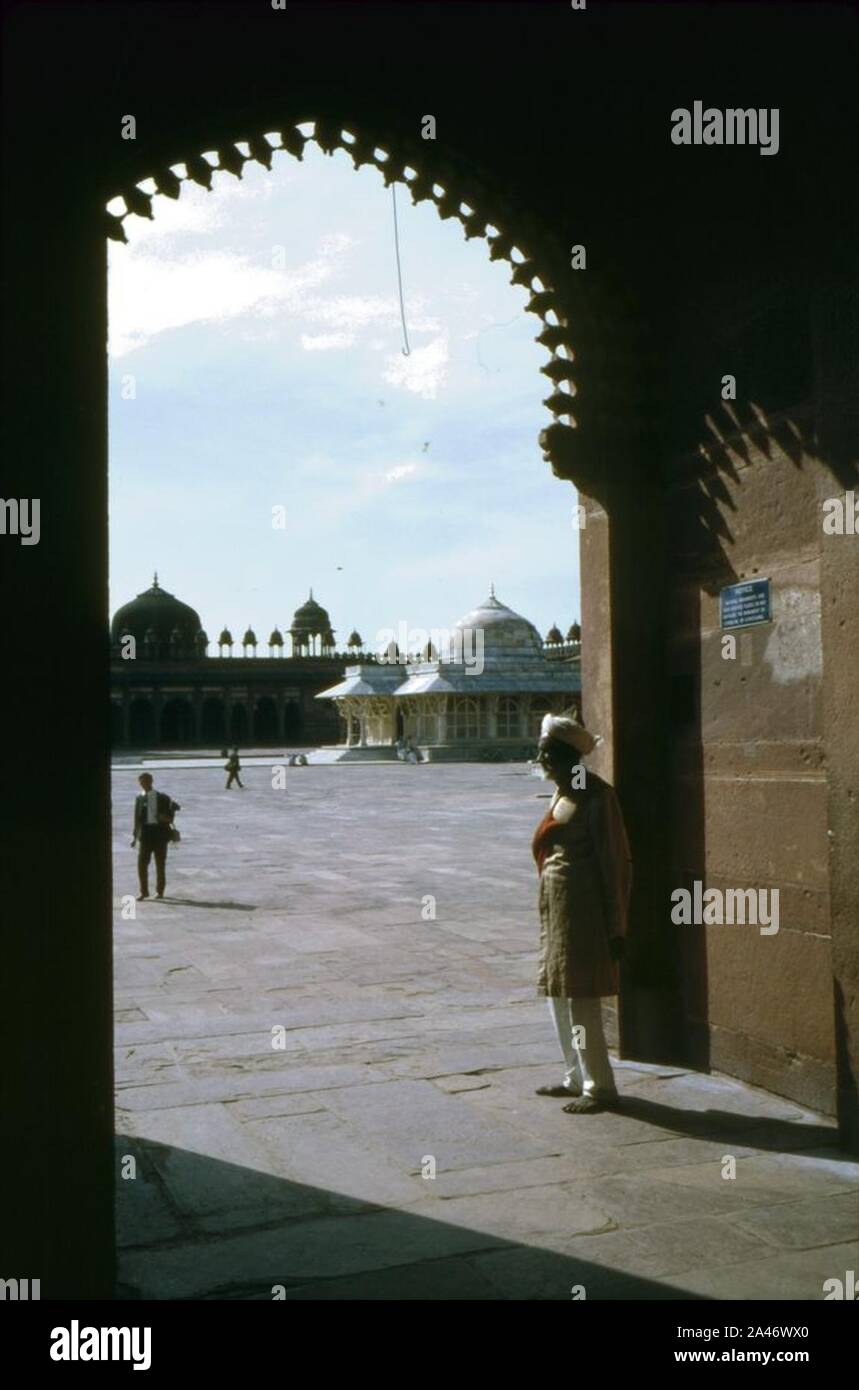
{"x":406,"y":350}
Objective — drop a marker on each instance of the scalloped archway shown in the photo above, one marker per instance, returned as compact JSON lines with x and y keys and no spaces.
{"x":538,"y":260}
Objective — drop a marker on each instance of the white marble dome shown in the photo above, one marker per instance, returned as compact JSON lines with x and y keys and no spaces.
{"x":509,"y":640}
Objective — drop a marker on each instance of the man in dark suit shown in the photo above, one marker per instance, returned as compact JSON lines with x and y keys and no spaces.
{"x":153,"y":818}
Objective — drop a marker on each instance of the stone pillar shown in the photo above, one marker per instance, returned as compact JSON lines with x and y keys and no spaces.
{"x":491,"y":716}
{"x":157,"y":708}
{"x":442,"y":721}
{"x":57,"y":968}
{"x":624,"y":687}
{"x":836,"y":356}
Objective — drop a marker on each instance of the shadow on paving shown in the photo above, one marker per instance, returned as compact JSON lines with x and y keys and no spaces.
{"x":194,"y":1227}
{"x":198,"y":902}
{"x":758,"y":1131}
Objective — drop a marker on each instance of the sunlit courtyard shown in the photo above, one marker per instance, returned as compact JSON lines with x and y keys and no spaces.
{"x":328,"y":1042}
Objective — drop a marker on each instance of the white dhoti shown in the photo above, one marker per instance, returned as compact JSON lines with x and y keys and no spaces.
{"x":578,"y":1024}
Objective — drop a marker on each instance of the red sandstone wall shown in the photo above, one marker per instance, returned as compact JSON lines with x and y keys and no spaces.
{"x":752,"y":753}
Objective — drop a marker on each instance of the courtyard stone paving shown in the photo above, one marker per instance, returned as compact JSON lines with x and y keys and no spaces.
{"x":410,"y":1044}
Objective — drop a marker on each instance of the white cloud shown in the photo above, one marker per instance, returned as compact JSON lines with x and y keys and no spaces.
{"x":351,"y":312}
{"x":322,"y":342}
{"x":402,"y":470}
{"x":159,"y":293}
{"x":423,"y":371}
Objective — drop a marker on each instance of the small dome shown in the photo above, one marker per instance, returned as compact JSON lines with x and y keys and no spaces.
{"x":156,"y":617}
{"x":554,"y":634}
{"x":311,"y":618}
{"x":276,"y":638}
{"x":250,"y":638}
{"x":355,"y":639}
{"x":226,"y":638}
{"x":575,"y":633}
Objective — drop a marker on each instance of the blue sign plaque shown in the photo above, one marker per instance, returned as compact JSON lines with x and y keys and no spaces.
{"x":743,"y":605}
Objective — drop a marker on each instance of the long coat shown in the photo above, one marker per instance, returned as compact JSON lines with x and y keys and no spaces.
{"x":585,"y":878}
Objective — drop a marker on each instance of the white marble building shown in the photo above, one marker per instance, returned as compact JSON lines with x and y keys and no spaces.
{"x":483,"y":696}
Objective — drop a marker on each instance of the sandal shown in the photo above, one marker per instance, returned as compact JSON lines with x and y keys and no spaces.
{"x":590,"y":1105}
{"x":557,"y":1092}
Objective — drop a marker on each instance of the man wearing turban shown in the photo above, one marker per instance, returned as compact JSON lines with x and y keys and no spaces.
{"x":583,"y":860}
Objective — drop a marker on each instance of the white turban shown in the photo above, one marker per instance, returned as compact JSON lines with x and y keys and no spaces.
{"x":566,"y":730}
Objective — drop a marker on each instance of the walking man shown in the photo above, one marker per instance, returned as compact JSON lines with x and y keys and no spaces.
{"x":153,"y":819}
{"x":233,"y":767}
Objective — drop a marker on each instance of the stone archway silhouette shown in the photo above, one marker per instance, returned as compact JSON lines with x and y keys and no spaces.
{"x":580,"y":316}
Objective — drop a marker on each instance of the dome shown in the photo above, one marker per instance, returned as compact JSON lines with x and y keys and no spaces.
{"x":508,"y":638}
{"x":226,"y":638}
{"x":250,"y":638}
{"x":159,"y":618}
{"x":355,"y":639}
{"x":554,"y":634}
{"x":311,"y":617}
{"x":575,"y":633}
{"x":276,"y":639}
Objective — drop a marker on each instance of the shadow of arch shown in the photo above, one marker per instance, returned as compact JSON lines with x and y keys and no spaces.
{"x":192,"y":1227}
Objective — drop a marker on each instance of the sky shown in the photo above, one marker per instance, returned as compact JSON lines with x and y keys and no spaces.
{"x":268,"y":435}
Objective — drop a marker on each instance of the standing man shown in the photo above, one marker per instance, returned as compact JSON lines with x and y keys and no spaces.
{"x":583,"y":859}
{"x":153,"y":818}
{"x":233,"y":766}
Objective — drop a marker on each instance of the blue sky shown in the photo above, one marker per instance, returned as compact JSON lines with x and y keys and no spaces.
{"x":260,"y":323}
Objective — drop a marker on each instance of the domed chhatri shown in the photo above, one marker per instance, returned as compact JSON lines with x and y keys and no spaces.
{"x":159,"y":620}
{"x":310,"y":617}
{"x":311,"y":629}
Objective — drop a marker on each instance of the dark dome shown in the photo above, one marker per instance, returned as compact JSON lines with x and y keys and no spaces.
{"x":158,"y":616}
{"x":276,"y":639}
{"x":554,"y":634}
{"x":311,"y":617}
{"x":355,"y":639}
{"x":226,"y":638}
{"x":250,"y":638}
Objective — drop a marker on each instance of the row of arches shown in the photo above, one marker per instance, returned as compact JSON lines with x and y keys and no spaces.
{"x":147,"y":721}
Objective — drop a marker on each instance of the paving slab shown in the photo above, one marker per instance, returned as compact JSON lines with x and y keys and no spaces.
{"x":804,"y":1225}
{"x":417,"y":1120}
